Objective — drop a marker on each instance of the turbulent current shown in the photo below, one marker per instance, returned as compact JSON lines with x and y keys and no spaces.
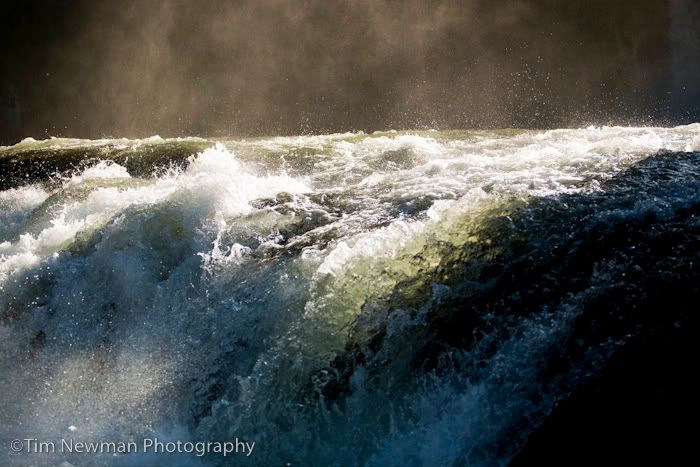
{"x":396,"y":298}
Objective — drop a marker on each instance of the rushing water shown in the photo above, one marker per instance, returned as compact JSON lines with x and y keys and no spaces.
{"x":399,"y":298}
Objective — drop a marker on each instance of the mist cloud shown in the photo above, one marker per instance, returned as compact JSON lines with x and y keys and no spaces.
{"x":245,"y":67}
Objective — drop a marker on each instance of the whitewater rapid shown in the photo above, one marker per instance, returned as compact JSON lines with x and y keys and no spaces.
{"x":289,"y":290}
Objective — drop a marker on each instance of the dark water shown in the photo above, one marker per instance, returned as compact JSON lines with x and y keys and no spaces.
{"x":414,"y":298}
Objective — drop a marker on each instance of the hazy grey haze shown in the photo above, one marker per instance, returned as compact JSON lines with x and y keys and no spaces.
{"x":244,"y":67}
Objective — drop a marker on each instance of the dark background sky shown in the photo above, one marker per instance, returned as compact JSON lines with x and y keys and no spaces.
{"x":92,"y":68}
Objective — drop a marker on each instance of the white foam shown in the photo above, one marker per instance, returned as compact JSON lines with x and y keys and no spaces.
{"x":214,"y":179}
{"x":172,"y":308}
{"x":16,"y":204}
{"x":101,"y":171}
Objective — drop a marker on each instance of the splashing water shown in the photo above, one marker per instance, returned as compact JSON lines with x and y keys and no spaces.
{"x":324,"y":296}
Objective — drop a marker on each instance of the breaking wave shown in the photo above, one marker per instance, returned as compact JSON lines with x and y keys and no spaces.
{"x":399,"y":298}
